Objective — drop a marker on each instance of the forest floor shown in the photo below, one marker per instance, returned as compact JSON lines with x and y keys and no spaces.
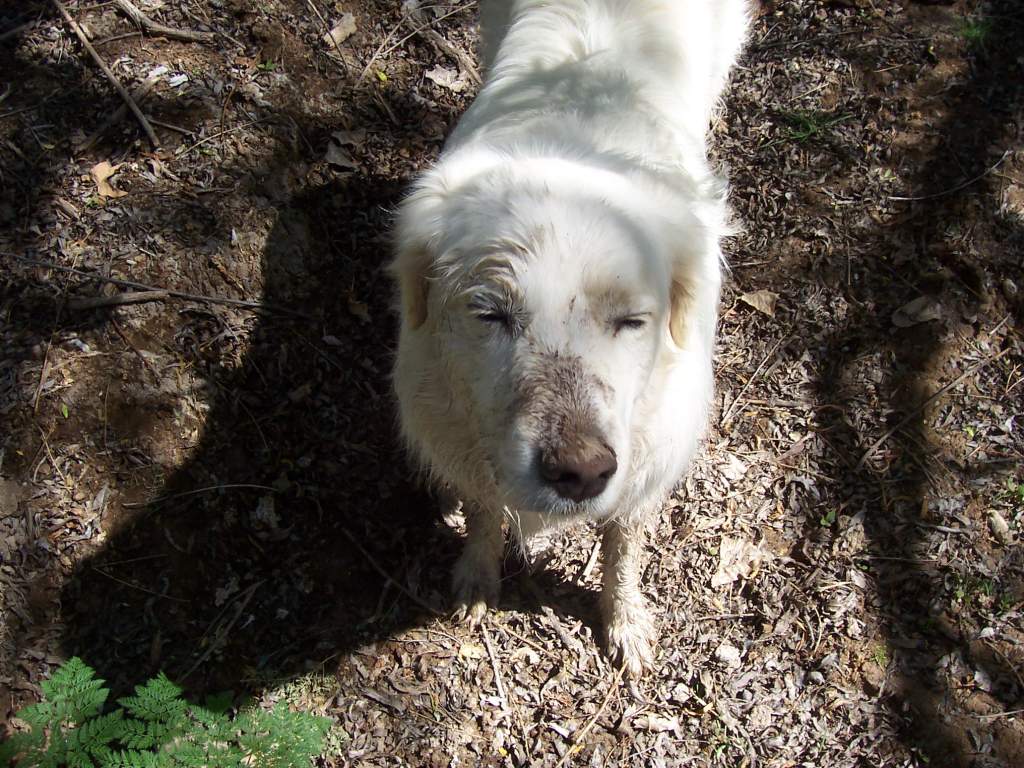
{"x":216,"y":491}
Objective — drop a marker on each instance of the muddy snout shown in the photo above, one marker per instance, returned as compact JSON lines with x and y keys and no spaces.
{"x":578,"y":469}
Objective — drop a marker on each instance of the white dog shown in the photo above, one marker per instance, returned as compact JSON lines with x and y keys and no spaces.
{"x":559,"y":271}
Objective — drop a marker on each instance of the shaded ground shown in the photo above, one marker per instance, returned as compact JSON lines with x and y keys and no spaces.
{"x":215,"y":492}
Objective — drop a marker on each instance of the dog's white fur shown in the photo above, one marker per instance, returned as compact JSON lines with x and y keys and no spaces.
{"x":573,"y":203}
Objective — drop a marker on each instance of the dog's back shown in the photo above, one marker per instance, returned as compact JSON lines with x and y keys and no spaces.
{"x":675,"y":54}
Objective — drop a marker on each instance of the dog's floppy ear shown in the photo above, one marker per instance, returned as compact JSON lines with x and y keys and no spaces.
{"x":693,"y":292}
{"x":411,"y":269}
{"x":417,"y":233}
{"x":680,"y":308}
{"x":696,"y":267}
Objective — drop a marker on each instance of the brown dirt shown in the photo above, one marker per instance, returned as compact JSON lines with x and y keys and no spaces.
{"x":181,"y":482}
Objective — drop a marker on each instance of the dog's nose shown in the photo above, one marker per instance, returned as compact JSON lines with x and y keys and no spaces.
{"x":576,"y":475}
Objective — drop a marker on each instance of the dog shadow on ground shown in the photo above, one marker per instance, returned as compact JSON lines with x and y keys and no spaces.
{"x":291,"y":533}
{"x":295,"y":532}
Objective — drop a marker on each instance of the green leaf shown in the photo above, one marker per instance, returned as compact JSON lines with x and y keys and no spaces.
{"x":155,"y":728}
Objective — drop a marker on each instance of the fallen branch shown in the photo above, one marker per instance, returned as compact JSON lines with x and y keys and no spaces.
{"x":138,"y":93}
{"x":18,"y":30}
{"x":463,"y":59}
{"x":957,"y":188}
{"x":391,"y":579}
{"x":161,"y":29}
{"x":196,"y":492}
{"x":117,"y":300}
{"x":77,"y":29}
{"x":253,"y":305}
{"x":577,"y":740}
{"x":384,"y":49}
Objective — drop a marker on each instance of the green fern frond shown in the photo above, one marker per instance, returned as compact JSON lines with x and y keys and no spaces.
{"x":92,"y":738}
{"x":155,"y":728}
{"x":133,"y":758}
{"x":158,"y":700}
{"x":74,"y":693}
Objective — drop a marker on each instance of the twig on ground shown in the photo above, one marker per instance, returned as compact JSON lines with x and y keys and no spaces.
{"x":495,"y":667}
{"x":136,"y":350}
{"x":957,"y":188}
{"x":195,"y":492}
{"x":1007,"y":713}
{"x":128,"y":584}
{"x":161,"y":29}
{"x":117,"y":300}
{"x":36,"y":105}
{"x":138,"y":93}
{"x":461,"y":57}
{"x":384,"y":51}
{"x":327,"y":33}
{"x":571,"y":643}
{"x":109,"y":74}
{"x":575,"y":747}
{"x":734,"y":404}
{"x":395,"y":582}
{"x":591,"y":562}
{"x":928,"y":401}
{"x":218,"y":135}
{"x":240,"y":605}
{"x":53,"y":460}
{"x":253,"y":305}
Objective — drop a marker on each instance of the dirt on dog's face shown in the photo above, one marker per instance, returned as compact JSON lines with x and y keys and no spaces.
{"x":549,"y":332}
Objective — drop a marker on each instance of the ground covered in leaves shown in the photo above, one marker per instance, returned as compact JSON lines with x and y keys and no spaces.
{"x":215,"y":489}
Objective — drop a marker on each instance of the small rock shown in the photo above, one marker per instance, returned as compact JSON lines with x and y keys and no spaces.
{"x":341,"y":31}
{"x":728,"y":655}
{"x":1000,"y":528}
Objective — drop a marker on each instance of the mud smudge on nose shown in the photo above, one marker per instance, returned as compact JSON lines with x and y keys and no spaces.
{"x":554,"y":400}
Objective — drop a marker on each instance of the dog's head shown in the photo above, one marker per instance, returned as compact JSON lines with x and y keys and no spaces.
{"x":557,"y":296}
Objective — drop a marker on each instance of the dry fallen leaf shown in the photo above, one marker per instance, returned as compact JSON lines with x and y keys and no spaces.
{"x":921,"y":310}
{"x":762,"y":301}
{"x":341,"y":31}
{"x":355,"y":137}
{"x":100,"y":173}
{"x":471,"y":651}
{"x":447,"y":78}
{"x":359,"y":309}
{"x":657,"y":723}
{"x":340,"y":158}
{"x":738,"y":558}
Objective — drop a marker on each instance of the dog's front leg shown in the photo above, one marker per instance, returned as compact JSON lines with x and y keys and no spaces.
{"x":628,"y":627}
{"x":476,"y":579}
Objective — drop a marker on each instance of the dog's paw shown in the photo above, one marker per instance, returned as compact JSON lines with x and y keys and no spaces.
{"x":476,"y":586}
{"x":629,"y":639}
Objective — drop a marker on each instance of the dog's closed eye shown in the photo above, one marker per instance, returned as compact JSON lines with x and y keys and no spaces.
{"x":629,"y":322}
{"x":493,"y":316}
{"x":502,"y":315}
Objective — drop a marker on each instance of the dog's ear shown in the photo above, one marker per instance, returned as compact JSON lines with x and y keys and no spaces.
{"x":680,"y":308}
{"x":417,"y":233}
{"x":693,"y":294}
{"x":696,"y":270}
{"x":412,"y":271}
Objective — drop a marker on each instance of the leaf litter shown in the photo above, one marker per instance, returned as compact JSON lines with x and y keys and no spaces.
{"x":808,"y":612}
